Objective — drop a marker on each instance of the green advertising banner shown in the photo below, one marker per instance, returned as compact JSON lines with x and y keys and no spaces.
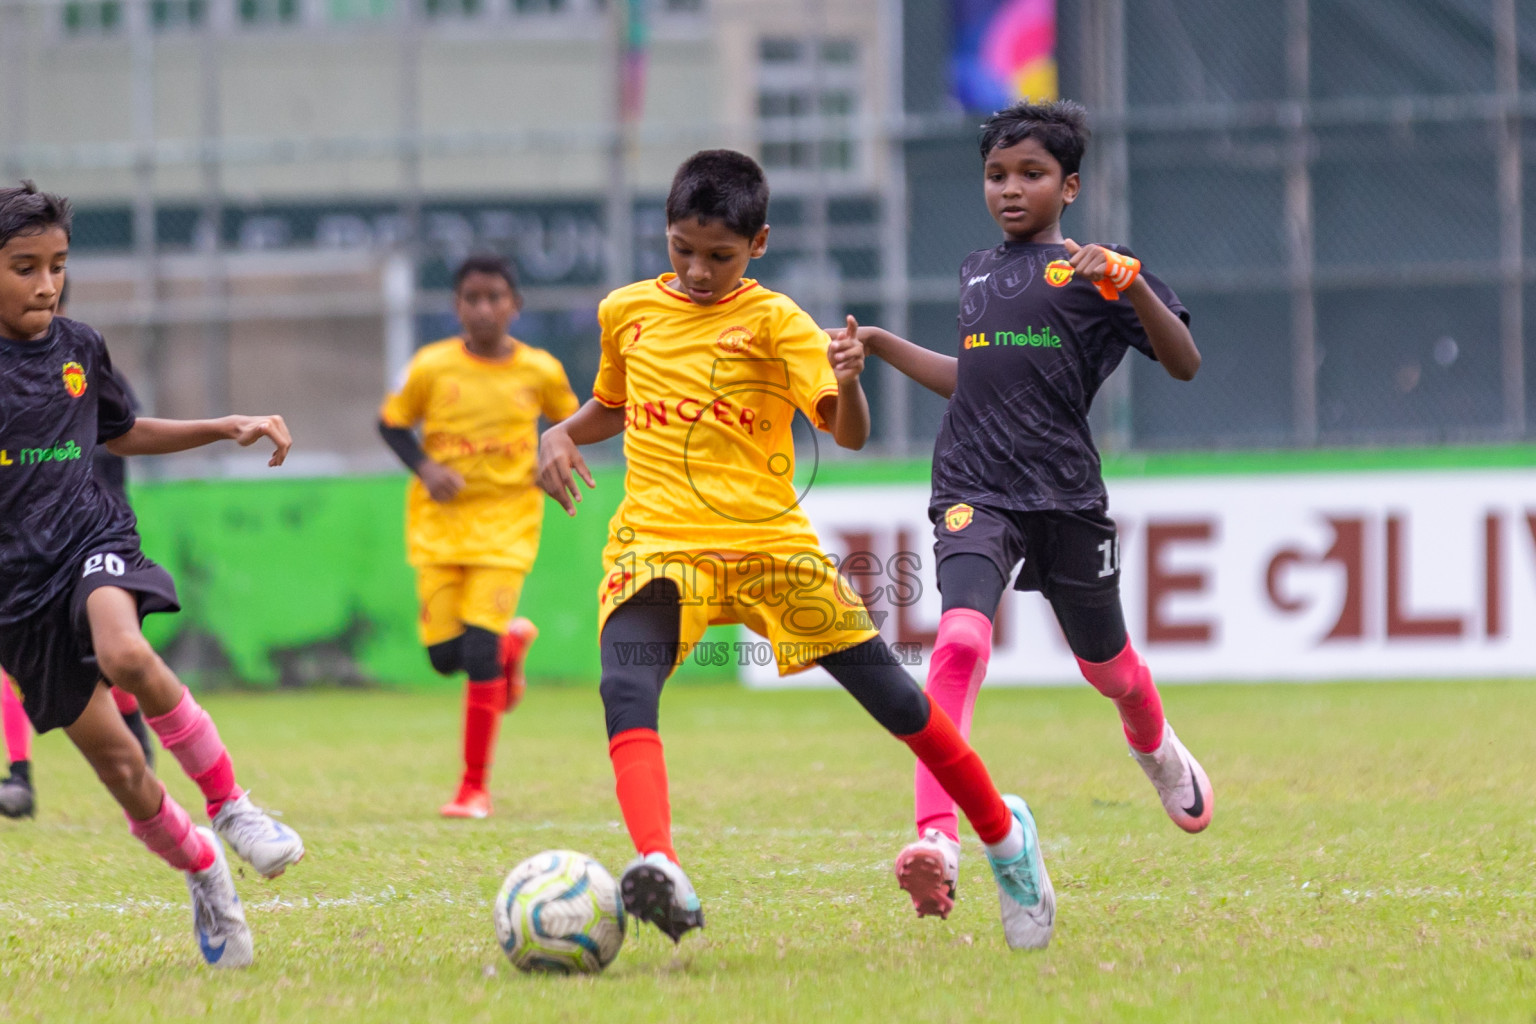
{"x":304,"y":582}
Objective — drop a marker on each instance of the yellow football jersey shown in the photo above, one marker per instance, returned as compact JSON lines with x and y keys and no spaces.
{"x":709,"y":395}
{"x":479,"y":417}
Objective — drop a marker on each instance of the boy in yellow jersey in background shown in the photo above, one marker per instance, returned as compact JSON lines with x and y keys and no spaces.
{"x":703,"y":371}
{"x":473,"y":513}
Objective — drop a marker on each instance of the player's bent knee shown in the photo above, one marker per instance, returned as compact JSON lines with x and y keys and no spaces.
{"x":630,"y":701}
{"x":1094,"y":628}
{"x":1098,"y":649}
{"x":882,"y":687}
{"x":964,"y":643}
{"x":128,"y":661}
{"x":972,"y":645}
{"x":907,"y":712}
{"x":479,"y":650}
{"x":445,"y":657}
{"x":121,"y":770}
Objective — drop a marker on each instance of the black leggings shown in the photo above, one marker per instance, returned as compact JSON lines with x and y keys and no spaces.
{"x":1095,"y":632}
{"x":640,"y":646}
{"x":476,"y":651}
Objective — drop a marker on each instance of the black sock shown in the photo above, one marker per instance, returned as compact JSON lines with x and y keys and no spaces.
{"x":22,"y":770}
{"x":140,"y":729}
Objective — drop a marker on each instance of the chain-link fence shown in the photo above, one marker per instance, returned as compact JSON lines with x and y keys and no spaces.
{"x":271,"y":196}
{"x":1339,"y":188}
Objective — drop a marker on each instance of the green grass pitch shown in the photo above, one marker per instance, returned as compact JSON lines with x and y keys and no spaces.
{"x":1371,"y":859}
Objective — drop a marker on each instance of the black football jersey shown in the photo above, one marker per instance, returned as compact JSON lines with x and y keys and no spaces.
{"x":59,"y":399}
{"x":1036,"y":343}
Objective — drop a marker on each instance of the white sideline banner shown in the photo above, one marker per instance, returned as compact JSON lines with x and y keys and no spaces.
{"x":1317,"y":576}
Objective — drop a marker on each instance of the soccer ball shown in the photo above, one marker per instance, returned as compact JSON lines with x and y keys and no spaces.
{"x":560,"y":912}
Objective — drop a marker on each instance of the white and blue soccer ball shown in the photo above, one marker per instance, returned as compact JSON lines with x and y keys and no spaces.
{"x":560,"y":912}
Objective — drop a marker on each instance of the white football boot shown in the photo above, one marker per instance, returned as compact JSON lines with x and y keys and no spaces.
{"x":218,"y":919}
{"x":265,"y":844}
{"x":1180,"y":782}
{"x":654,"y":889}
{"x":928,"y":870}
{"x":1024,"y":893}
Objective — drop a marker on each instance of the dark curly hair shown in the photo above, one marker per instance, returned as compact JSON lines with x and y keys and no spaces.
{"x":723,"y":185}
{"x":26,"y":211}
{"x":1061,"y":127}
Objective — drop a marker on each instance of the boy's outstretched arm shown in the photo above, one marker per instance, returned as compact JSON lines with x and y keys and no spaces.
{"x":849,"y":412}
{"x":560,"y":462}
{"x":162,"y":437}
{"x":1170,"y":337}
{"x":933,"y":370}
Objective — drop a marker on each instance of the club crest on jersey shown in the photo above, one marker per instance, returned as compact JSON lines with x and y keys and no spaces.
{"x":958,"y":517}
{"x":734,"y":340}
{"x":634,"y":339}
{"x":74,"y":379}
{"x":1058,"y":273}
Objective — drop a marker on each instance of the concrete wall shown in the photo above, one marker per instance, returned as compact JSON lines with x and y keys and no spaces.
{"x":539,"y":92}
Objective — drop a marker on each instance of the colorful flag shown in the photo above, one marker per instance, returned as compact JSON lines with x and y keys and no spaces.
{"x":635,"y":38}
{"x":1005,"y":50}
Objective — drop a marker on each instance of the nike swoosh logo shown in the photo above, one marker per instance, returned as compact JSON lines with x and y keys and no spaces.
{"x":210,"y":953}
{"x":1199,"y":808}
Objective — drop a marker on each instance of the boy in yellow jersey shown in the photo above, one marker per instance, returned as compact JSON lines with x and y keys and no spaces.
{"x":473,"y":514}
{"x":703,"y":370}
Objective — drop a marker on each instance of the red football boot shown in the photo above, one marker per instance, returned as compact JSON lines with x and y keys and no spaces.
{"x":469,"y":803}
{"x":513,"y":649}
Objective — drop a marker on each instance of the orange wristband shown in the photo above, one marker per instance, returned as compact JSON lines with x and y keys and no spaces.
{"x":1118,"y":274}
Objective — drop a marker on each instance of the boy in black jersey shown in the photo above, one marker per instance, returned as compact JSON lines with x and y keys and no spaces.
{"x":1043,"y":321}
{"x":77,"y":586}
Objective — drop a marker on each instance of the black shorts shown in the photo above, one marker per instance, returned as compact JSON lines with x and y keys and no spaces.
{"x":1073,"y":557}
{"x":50,"y":654}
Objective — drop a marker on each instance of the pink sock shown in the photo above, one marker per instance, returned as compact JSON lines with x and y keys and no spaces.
{"x":189,"y":734}
{"x":170,"y":835}
{"x":1126,"y":680}
{"x":18,"y":731}
{"x":126,"y":702}
{"x":959,"y":663}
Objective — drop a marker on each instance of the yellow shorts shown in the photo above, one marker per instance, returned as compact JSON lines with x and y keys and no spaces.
{"x":455,"y":596}
{"x":800,"y":603}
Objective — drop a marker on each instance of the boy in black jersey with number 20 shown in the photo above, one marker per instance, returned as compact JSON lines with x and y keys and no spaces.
{"x":1043,"y":321}
{"x":76,"y":586}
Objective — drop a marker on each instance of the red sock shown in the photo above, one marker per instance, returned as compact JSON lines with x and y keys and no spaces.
{"x":170,"y":835}
{"x":18,"y":731}
{"x":1126,"y":680}
{"x":126,"y":702}
{"x":640,"y":779}
{"x":961,"y":772}
{"x":189,"y":734}
{"x":955,"y":672}
{"x":483,"y":705}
